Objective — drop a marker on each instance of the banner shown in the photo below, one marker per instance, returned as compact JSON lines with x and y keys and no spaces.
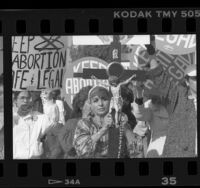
{"x":38,"y":62}
{"x":174,"y":65}
{"x":174,"y":61}
{"x":176,"y":44}
{"x":126,"y":39}
{"x":72,"y":85}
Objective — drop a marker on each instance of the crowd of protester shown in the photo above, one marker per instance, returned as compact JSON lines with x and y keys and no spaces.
{"x":41,"y":129}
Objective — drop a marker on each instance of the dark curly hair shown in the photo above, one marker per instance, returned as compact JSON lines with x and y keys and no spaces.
{"x":52,"y":95}
{"x":79,"y":101}
{"x":56,"y":93}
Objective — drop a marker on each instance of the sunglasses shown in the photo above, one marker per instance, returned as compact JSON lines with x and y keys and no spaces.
{"x":194,"y":78}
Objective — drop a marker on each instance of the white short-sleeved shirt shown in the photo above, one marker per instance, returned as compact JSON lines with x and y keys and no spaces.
{"x":61,"y":111}
{"x":26,"y":143}
{"x":52,"y":112}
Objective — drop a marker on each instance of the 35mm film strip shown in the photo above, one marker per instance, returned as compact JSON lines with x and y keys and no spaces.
{"x":99,"y":97}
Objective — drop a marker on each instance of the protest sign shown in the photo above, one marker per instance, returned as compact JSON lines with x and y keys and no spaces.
{"x":92,"y":40}
{"x":174,"y":61}
{"x":72,"y":85}
{"x":176,"y":44}
{"x":38,"y":62}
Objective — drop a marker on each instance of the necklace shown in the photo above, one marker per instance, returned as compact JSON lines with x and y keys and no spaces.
{"x":121,"y":130}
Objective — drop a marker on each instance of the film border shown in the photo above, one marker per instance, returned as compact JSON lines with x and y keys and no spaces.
{"x":121,"y":172}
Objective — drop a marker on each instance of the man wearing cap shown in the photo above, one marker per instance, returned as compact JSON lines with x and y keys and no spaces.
{"x":182,"y":127}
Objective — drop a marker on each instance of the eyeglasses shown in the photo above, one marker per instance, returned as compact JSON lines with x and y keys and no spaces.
{"x":194,"y":78}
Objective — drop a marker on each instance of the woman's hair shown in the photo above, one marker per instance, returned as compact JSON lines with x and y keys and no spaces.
{"x":79,"y":101}
{"x":126,"y":93}
{"x":52,"y":95}
{"x":100,"y":91}
{"x":56,"y":92}
{"x":128,"y":97}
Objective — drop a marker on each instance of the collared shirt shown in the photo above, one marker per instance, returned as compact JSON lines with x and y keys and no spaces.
{"x":61,"y":111}
{"x":26,"y":136}
{"x":52,"y":112}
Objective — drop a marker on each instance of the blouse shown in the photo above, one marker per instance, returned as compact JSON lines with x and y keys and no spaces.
{"x":103,"y":148}
{"x":83,"y":143}
{"x":27,"y":134}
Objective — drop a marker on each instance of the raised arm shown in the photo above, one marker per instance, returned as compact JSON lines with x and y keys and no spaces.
{"x":140,"y":112}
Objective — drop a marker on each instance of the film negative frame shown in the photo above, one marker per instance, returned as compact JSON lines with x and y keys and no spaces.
{"x":95,"y":172}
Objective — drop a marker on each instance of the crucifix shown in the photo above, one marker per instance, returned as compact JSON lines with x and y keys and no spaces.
{"x":117,"y":76}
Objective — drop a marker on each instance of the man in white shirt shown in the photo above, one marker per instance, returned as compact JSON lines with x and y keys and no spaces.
{"x":32,"y":126}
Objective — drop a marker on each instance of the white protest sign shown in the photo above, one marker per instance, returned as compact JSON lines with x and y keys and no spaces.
{"x":176,"y":44}
{"x":92,"y":40}
{"x":38,"y":62}
{"x":72,"y":85}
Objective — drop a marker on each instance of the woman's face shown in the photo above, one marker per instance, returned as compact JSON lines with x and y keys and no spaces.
{"x":23,"y":98}
{"x":100,"y":105}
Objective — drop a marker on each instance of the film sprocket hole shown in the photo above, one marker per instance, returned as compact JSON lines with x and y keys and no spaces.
{"x":105,"y":94}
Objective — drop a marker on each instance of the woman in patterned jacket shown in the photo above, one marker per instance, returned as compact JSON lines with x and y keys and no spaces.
{"x":92,"y":136}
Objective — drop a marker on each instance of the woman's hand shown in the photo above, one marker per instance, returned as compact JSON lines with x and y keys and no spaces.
{"x":108,"y":121}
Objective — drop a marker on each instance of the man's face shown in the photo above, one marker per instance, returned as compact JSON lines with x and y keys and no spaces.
{"x":1,"y":99}
{"x":23,"y":98}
